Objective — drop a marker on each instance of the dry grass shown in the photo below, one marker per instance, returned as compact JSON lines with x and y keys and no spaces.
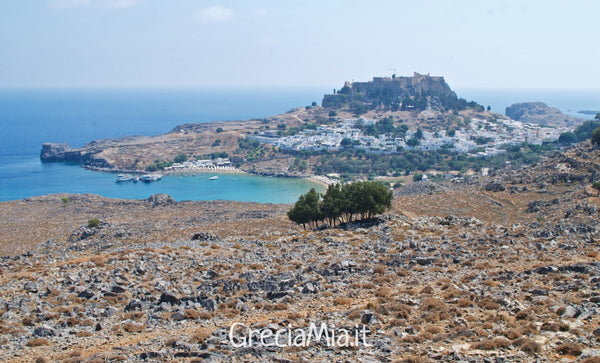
{"x":342,"y":301}
{"x":201,"y":334}
{"x":527,"y":345}
{"x":492,"y":344}
{"x":38,"y":342}
{"x":132,"y":327}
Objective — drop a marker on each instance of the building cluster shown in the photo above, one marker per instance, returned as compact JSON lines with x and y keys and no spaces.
{"x":483,"y":137}
{"x":200,"y":165}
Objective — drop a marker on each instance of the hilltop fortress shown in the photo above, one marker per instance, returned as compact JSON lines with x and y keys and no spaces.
{"x":391,"y":91}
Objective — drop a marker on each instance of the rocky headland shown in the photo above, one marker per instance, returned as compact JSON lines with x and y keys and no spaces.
{"x":417,"y":102}
{"x":542,"y":114}
{"x":504,"y":268}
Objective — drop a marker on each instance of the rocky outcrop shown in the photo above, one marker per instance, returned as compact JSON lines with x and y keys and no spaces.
{"x":390,"y":91}
{"x":64,"y":153}
{"x":540,"y":113}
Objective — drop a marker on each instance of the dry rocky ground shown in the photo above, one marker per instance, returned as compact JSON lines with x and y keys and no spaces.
{"x":503,"y":269}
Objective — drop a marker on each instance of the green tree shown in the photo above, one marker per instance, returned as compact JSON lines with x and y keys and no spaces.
{"x":567,"y":138}
{"x":596,"y":137}
{"x":419,"y":134}
{"x":584,"y":130}
{"x":300,"y":213}
{"x":358,"y":108}
{"x":219,"y":129}
{"x":413,"y":141}
{"x":332,"y":203}
{"x":346,"y":142}
{"x":342,"y":203}
{"x":180,"y":158}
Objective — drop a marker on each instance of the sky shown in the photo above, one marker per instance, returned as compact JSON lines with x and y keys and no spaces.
{"x":504,"y":44}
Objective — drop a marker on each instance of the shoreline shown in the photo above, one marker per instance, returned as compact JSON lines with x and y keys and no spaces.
{"x":321,"y":181}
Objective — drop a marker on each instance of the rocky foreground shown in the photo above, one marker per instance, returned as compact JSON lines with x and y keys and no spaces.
{"x":503,"y":269}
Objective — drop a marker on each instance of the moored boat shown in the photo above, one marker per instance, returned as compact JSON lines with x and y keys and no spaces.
{"x":123,"y":178}
{"x":213,"y":178}
{"x":147,"y":178}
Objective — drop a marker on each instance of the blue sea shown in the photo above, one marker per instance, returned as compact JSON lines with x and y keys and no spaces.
{"x":29,"y":118}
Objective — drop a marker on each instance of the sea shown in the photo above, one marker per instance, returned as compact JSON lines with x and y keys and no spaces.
{"x":30,"y":117}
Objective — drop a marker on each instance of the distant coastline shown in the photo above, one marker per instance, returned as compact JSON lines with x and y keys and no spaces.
{"x":588,"y":112}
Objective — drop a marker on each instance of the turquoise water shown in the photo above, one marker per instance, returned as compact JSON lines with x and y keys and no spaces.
{"x":48,"y":178}
{"x":29,"y":118}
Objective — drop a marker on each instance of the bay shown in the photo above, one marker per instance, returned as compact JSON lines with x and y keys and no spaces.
{"x":29,"y":118}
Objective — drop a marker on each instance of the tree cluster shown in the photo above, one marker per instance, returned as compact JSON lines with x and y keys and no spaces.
{"x":584,"y":131}
{"x":341,"y":204}
{"x":357,"y":161}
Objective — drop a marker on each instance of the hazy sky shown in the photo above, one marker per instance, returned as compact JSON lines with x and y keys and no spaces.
{"x":293,"y":43}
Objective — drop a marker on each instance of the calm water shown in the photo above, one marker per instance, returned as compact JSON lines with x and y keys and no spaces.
{"x":30,"y":117}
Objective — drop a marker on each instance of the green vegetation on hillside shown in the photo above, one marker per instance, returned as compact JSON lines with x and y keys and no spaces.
{"x":350,"y":161}
{"x":341,"y":203}
{"x":158,"y":165}
{"x":584,"y":131}
{"x":596,"y":137}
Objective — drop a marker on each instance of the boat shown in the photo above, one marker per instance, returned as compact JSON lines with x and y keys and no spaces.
{"x":213,"y":178}
{"x":123,"y":178}
{"x":147,"y":178}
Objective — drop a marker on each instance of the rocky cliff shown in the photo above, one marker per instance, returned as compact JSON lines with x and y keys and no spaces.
{"x":393,"y":91}
{"x":542,"y":114}
{"x":64,"y":153}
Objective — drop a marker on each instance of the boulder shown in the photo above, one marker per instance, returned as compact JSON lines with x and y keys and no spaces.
{"x":161,"y":200}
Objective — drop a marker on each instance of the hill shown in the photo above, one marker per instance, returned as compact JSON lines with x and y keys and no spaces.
{"x":540,"y":113}
{"x":503,"y":267}
{"x":417,"y":93}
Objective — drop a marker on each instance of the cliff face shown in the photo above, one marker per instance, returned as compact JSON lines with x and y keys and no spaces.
{"x":64,"y":153}
{"x":390,"y":90}
{"x":542,"y":114}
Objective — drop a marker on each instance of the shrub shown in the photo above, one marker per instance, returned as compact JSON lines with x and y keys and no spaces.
{"x":596,"y":186}
{"x":527,"y":345}
{"x":93,"y":223}
{"x":491,"y":344}
{"x":573,"y":349}
{"x":65,"y":200}
{"x":132,"y":328}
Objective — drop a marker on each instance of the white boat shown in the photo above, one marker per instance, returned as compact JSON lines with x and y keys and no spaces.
{"x":150,"y":177}
{"x":123,"y":178}
{"x":213,"y":178}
